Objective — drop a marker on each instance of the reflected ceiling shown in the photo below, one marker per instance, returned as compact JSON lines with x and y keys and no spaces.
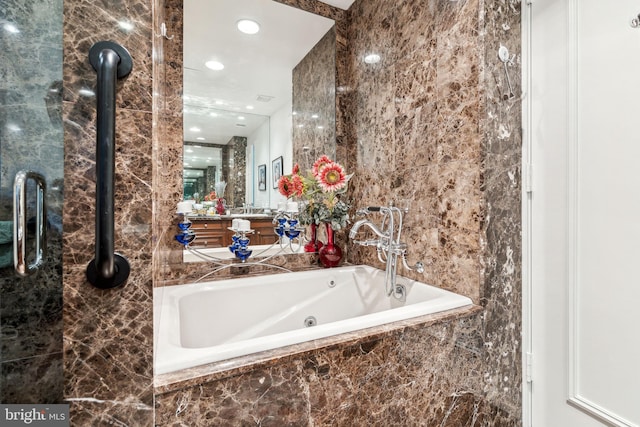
{"x":256,"y":78}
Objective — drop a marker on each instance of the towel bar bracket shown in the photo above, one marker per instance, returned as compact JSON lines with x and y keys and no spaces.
{"x":121,"y":270}
{"x":125,"y":64}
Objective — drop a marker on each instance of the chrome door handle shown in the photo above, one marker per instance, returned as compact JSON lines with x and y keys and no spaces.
{"x":20,"y":222}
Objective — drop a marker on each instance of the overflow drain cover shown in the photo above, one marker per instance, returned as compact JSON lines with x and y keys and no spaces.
{"x":310,"y":321}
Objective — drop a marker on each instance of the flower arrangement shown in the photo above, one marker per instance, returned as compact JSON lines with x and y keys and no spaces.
{"x":319,"y":190}
{"x":211,"y":197}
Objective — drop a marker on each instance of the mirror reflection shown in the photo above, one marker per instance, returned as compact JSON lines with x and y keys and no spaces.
{"x":239,"y":105}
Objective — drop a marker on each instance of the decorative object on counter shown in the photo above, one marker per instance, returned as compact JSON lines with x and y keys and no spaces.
{"x":330,"y":254}
{"x":186,"y":235}
{"x":314,"y":244}
{"x":387,"y":243}
{"x":320,"y":191}
{"x":221,"y":207}
{"x":240,"y":245}
{"x":287,"y":228}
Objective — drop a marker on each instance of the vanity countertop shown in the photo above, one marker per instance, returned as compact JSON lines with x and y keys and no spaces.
{"x":228,"y":217}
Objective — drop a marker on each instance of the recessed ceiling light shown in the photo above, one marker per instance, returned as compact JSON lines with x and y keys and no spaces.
{"x":240,"y":117}
{"x":314,"y":116}
{"x":248,"y":26}
{"x":249,"y":107}
{"x":200,"y":138}
{"x":320,"y":127}
{"x":194,"y":129}
{"x":13,"y":127}
{"x":189,"y":150}
{"x":214,"y":65}
{"x":218,"y":102}
{"x":372,"y":58}
{"x":295,"y":113}
{"x":213,"y":114}
{"x":197,"y":146}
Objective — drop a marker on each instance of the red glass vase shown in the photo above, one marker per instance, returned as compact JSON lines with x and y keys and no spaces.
{"x":220,"y":207}
{"x":314,"y":244}
{"x":330,"y":254}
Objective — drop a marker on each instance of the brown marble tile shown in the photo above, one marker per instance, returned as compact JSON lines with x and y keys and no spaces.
{"x":87,"y":22}
{"x":428,"y":124}
{"x":34,"y":379}
{"x":391,"y":379}
{"x":108,"y":334}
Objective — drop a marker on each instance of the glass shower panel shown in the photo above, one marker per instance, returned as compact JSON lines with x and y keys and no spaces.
{"x":31,"y":139}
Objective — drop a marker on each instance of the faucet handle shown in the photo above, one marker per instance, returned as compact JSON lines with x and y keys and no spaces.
{"x":368,"y":210}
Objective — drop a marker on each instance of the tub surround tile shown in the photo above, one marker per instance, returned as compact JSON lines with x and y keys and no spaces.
{"x":502,"y":284}
{"x":232,"y":367}
{"x":461,"y":143}
{"x":395,"y":378}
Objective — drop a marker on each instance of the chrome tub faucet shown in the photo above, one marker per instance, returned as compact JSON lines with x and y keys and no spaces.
{"x":388,"y":244}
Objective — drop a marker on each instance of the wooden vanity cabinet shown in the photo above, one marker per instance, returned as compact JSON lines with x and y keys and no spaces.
{"x":264,"y":232}
{"x":215,"y":233}
{"x":211,"y":233}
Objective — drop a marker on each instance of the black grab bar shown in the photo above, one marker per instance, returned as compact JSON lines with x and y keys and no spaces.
{"x":111,"y":61}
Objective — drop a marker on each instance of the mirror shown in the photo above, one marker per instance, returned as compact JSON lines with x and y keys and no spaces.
{"x":245,"y":105}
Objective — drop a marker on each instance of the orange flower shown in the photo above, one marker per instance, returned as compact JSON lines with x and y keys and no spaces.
{"x":285,"y":186}
{"x":331,"y":177}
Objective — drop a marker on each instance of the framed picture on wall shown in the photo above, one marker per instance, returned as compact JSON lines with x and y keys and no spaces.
{"x":262,"y":177}
{"x":276,"y":170}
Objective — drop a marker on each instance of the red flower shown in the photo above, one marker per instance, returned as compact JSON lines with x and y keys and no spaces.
{"x":331,"y":177}
{"x":319,"y":164}
{"x":297,"y":186}
{"x":296,"y":169}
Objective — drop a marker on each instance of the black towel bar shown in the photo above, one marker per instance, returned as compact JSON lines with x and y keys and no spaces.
{"x":111,"y":61}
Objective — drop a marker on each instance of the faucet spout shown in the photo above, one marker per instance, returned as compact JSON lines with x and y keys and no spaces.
{"x":372,"y":226}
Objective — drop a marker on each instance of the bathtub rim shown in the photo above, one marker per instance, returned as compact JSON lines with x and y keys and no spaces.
{"x":168,"y":352}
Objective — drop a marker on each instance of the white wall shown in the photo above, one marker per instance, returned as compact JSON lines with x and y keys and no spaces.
{"x":281,"y":143}
{"x":258,"y":154}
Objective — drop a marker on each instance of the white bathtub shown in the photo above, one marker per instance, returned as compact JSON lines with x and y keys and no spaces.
{"x":213,"y":321}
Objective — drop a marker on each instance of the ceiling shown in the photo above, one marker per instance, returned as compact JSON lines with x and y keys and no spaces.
{"x":257,"y":68}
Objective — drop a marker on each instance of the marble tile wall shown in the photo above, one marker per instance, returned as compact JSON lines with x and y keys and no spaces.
{"x":434,"y":133}
{"x":31,"y":138}
{"x":426,"y":126}
{"x":108,"y":334}
{"x":314,"y":88}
